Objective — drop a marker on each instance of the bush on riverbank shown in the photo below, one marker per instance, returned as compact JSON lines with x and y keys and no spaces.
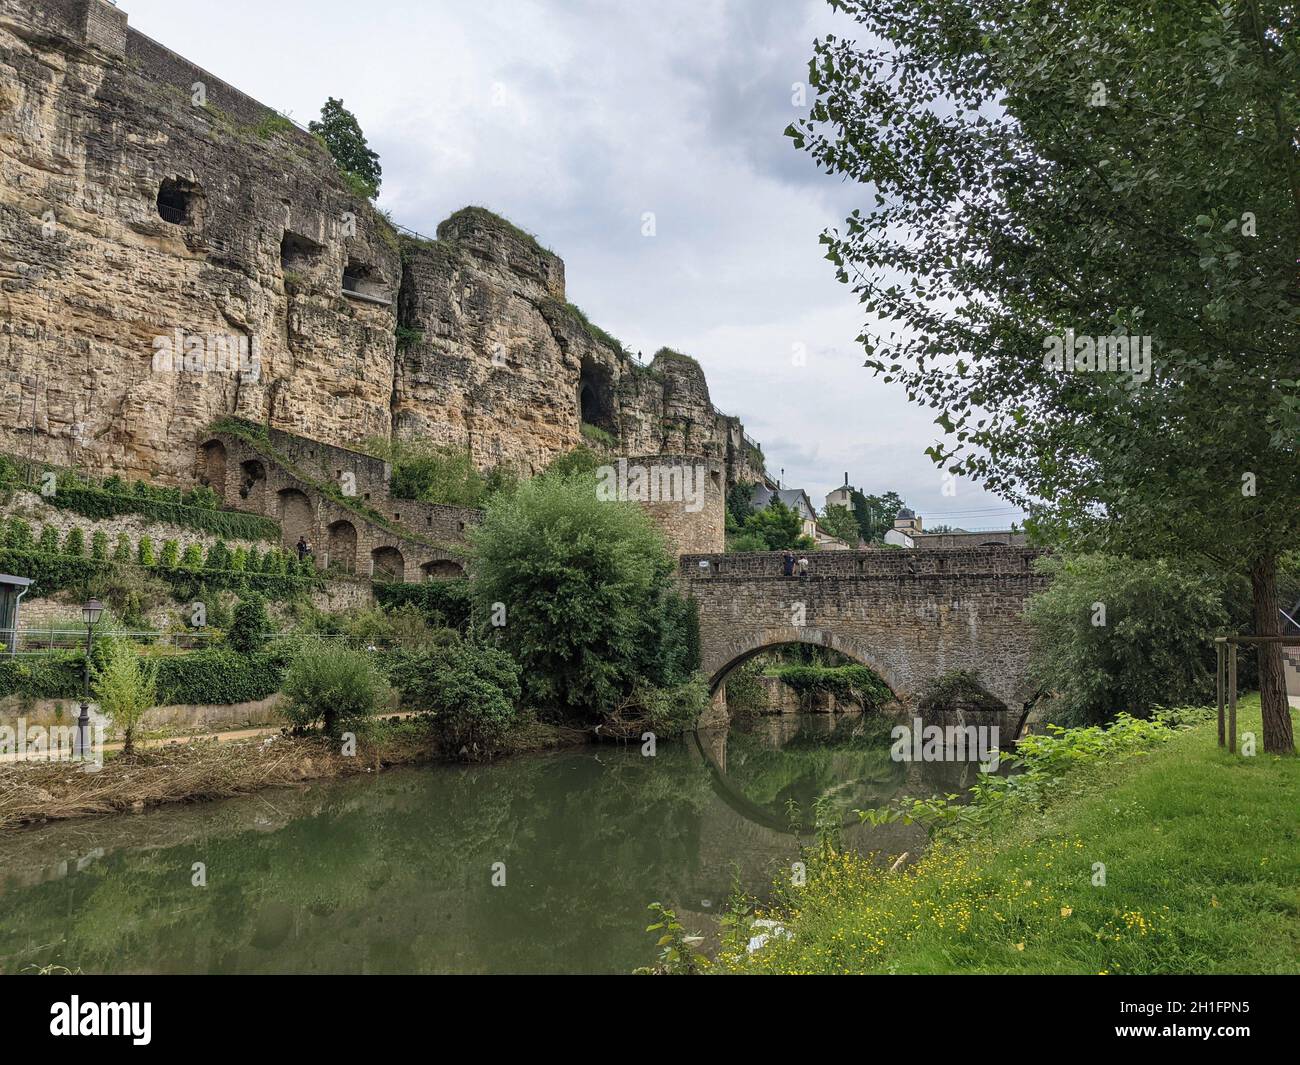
{"x":334,"y":686}
{"x":1109,"y":634}
{"x":1135,"y":865}
{"x":470,"y":689}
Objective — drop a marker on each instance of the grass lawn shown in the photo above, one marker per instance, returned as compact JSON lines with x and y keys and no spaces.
{"x":1202,"y":875}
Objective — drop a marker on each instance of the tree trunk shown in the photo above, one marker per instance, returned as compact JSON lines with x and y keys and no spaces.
{"x":1278,"y":737}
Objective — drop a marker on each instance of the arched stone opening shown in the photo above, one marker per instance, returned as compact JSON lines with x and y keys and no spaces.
{"x":252,"y":484}
{"x":387,"y":564}
{"x":343,"y":546}
{"x":442,"y":569}
{"x":740,"y":651}
{"x":297,"y":517}
{"x":212,"y":467}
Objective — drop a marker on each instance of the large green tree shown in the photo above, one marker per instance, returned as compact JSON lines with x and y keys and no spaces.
{"x":341,"y":133}
{"x":1048,"y":174}
{"x":579,"y":590}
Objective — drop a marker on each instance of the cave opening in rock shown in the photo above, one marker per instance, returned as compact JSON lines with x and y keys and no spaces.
{"x":176,"y":198}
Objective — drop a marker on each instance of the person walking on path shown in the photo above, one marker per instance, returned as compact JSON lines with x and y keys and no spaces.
{"x":787,"y":563}
{"x":302,"y":548}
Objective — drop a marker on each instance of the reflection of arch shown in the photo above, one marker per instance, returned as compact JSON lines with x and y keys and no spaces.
{"x":387,"y":564}
{"x":296,"y":515}
{"x":212,"y":467}
{"x":442,"y":569}
{"x":343,"y":545}
{"x":252,"y":482}
{"x":735,"y":652}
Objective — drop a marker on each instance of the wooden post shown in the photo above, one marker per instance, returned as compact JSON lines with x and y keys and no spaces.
{"x":1232,"y":697}
{"x":1218,"y":683}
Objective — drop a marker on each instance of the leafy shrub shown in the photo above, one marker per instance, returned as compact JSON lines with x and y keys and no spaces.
{"x":99,"y":546}
{"x":192,"y":557}
{"x":857,"y":683}
{"x":249,"y":625}
{"x":126,"y":689}
{"x":122,"y":550}
{"x":1150,"y":648}
{"x":443,"y":603}
{"x":331,"y":684}
{"x":18,"y":535}
{"x":49,"y":542}
{"x":471,"y":689}
{"x":144,"y":555}
{"x":75,"y":542}
{"x":431,"y":474}
{"x":218,"y":557}
{"x":170,"y":556}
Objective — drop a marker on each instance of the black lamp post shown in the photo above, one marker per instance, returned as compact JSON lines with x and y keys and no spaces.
{"x":90,"y":615}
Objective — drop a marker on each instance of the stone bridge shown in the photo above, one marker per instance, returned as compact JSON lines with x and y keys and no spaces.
{"x":910,"y":615}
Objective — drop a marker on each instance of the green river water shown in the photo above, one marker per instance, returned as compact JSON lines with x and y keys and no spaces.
{"x":393,"y":873}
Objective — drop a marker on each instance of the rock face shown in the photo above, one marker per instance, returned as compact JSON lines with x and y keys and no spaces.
{"x":150,"y":211}
{"x":172,"y":251}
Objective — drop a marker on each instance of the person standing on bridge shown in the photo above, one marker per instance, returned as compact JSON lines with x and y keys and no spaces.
{"x":787,"y":563}
{"x":803,"y":569}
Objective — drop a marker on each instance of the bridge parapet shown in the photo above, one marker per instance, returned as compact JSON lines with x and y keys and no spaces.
{"x":872,"y":562}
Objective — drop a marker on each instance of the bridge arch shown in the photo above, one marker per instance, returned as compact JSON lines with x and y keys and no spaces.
{"x":733,"y":653}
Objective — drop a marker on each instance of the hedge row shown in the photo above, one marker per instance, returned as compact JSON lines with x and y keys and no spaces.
{"x":196,"y":509}
{"x":220,"y":676}
{"x":54,"y":572}
{"x":213,"y":676}
{"x":99,"y":504}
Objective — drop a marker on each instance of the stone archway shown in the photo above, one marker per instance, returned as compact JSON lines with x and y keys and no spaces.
{"x":387,"y":564}
{"x":442,"y":569}
{"x":297,"y":516}
{"x":252,"y":484}
{"x":212,"y":467}
{"x":342,"y":546}
{"x":736,"y":652}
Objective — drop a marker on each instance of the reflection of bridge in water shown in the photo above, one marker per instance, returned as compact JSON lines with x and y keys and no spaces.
{"x":753,"y":842}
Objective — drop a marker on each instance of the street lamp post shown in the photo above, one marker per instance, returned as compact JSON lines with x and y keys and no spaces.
{"x":90,"y":615}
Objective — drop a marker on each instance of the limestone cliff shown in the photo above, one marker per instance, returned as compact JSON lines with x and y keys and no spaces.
{"x":172,"y":251}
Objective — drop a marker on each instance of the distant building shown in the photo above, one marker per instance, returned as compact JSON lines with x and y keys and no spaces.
{"x":794,"y":498}
{"x":907,"y":521}
{"x":842,"y":496}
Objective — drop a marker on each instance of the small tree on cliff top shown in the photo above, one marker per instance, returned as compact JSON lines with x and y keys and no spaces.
{"x":1057,"y":173}
{"x":341,"y":133}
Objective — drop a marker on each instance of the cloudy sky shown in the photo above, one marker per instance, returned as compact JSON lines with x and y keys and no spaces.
{"x":576,"y":118}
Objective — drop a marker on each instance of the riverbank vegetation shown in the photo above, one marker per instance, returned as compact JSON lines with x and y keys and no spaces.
{"x":1143,"y":848}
